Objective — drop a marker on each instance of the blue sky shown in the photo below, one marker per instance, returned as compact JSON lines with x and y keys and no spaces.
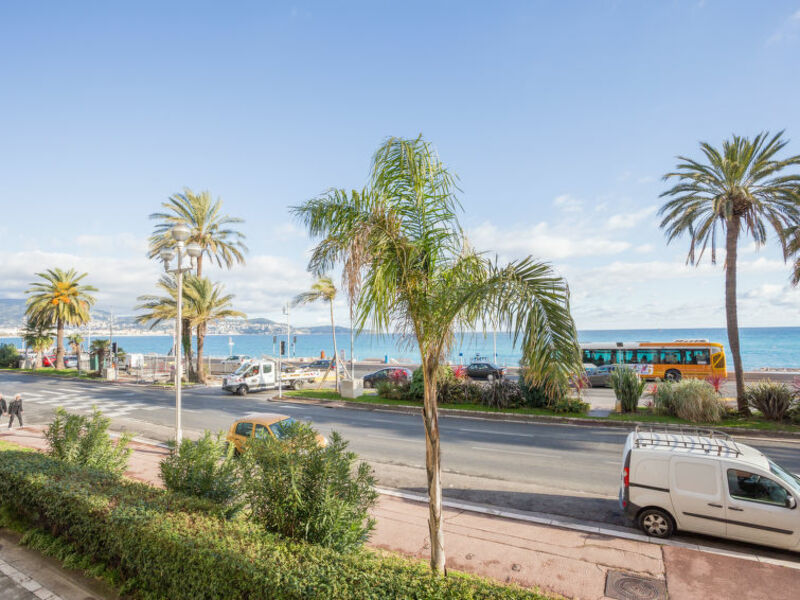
{"x":559,"y":118}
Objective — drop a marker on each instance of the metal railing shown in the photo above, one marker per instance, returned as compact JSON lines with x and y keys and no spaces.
{"x":689,"y":438}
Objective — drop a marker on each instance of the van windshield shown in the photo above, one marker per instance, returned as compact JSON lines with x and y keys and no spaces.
{"x":242,"y":369}
{"x":788,"y":478}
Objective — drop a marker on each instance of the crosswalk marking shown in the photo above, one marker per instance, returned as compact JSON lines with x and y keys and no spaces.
{"x":72,"y":400}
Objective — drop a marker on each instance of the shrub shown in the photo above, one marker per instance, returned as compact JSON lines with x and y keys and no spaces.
{"x":168,"y":546}
{"x":534,"y":396}
{"x":628,"y":387}
{"x":460,"y":392}
{"x":502,"y":394}
{"x":460,"y":372}
{"x":716,"y":382}
{"x":204,"y":469}
{"x":696,"y":401}
{"x":570,"y":405}
{"x":771,"y":399}
{"x":662,"y":398}
{"x":9,"y":357}
{"x":301,"y":490}
{"x":83,"y":440}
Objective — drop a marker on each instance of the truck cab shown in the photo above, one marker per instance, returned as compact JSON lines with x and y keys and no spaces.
{"x":251,"y":376}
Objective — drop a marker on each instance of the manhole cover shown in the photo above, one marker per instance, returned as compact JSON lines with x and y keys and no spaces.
{"x":624,"y":586}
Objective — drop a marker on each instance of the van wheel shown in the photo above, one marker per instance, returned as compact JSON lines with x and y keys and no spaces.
{"x":672,"y":375}
{"x":297,"y":385}
{"x":241,"y":390}
{"x":656,"y":523}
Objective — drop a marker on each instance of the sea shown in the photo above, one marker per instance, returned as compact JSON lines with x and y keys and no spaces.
{"x":762,"y":347}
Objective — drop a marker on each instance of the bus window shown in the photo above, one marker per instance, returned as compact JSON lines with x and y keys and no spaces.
{"x":697,"y":357}
{"x":587,"y":356}
{"x":629,"y":357}
{"x":670,"y":357}
{"x":600,"y":357}
{"x":646,"y":357}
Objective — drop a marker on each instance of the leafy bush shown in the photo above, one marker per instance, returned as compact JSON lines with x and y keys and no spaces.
{"x":392,"y":390}
{"x":663,"y":398}
{"x":696,"y":401}
{"x":771,"y":399}
{"x":716,"y":382}
{"x":534,"y":396}
{"x":416,"y":388}
{"x":460,"y":392}
{"x":502,"y":394}
{"x":164,"y":545}
{"x":204,"y":469}
{"x":301,"y":490}
{"x":82,"y":440}
{"x":628,"y":387}
{"x":570,"y":405}
{"x":9,"y":357}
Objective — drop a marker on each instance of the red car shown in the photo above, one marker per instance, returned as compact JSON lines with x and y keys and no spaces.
{"x":48,"y":361}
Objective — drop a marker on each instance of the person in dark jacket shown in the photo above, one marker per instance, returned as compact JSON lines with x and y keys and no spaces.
{"x":15,"y":410}
{"x":3,"y":406}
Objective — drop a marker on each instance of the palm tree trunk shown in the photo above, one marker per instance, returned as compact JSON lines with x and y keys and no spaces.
{"x":186,"y":340}
{"x":335,"y":350}
{"x":59,"y":344}
{"x":201,"y":330}
{"x":731,"y":243}
{"x":433,"y":465}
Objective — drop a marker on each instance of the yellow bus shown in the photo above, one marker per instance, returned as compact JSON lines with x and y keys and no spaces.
{"x":663,"y":360}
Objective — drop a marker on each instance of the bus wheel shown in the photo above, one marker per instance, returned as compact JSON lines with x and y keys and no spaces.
{"x":672,"y":375}
{"x":297,"y":385}
{"x":242,"y":390}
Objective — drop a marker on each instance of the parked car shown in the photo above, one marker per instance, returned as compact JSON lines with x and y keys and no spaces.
{"x":600,"y":376}
{"x":49,"y":361}
{"x":391,"y":373}
{"x":484,"y":370}
{"x":321,"y":364}
{"x":71,"y":362}
{"x":236,"y":359}
{"x":261,"y":425}
{"x":708,"y":483}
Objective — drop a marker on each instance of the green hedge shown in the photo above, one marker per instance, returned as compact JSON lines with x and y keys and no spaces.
{"x":168,"y":546}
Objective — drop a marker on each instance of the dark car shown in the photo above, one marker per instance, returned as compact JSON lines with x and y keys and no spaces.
{"x":600,"y":376}
{"x":389,"y":374}
{"x":484,"y":370}
{"x":321,"y":364}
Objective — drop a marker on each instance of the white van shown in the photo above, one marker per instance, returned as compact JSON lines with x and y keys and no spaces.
{"x":705,"y":482}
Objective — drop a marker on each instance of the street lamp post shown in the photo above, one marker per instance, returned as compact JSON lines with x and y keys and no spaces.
{"x":180,"y":233}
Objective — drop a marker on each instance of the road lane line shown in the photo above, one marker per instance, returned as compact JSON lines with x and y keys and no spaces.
{"x":391,"y":437}
{"x":484,"y":449}
{"x":530,"y":435}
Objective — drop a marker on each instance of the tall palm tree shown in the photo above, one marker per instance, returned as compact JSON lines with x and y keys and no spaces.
{"x":59,"y":299}
{"x":100,"y":348}
{"x":158,"y":309}
{"x":38,"y":336}
{"x":206,"y":304}
{"x":209,"y":227}
{"x":323,"y":289}
{"x":422,"y":279}
{"x":75,"y":340}
{"x":738,"y":188}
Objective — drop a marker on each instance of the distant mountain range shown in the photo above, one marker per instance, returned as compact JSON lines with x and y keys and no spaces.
{"x":12,"y":317}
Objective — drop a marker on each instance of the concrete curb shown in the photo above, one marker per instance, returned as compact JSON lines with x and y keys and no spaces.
{"x":521,"y":418}
{"x":557,"y":521}
{"x":105,"y":381}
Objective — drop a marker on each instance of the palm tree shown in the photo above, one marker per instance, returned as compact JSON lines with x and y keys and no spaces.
{"x":205,"y":303}
{"x":323,"y":289}
{"x":421,"y":278}
{"x":209,"y":228}
{"x":75,"y":340}
{"x":38,"y":336}
{"x":100,"y":349}
{"x":733,"y":189}
{"x":60,"y":300}
{"x":158,"y":309}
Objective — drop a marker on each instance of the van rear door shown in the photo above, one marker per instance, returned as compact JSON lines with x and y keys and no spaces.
{"x":697,"y":495}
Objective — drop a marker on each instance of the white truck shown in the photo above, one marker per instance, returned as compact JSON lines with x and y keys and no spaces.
{"x":262,"y":374}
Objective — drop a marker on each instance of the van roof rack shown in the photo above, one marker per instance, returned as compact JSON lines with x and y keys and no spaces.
{"x":690,"y":438}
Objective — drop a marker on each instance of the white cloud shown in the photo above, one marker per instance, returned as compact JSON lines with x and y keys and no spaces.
{"x":568,"y":203}
{"x":542,"y":241}
{"x":629,"y":219}
{"x":787,"y":31}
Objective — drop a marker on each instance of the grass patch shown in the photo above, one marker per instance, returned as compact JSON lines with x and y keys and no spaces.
{"x":643,"y":414}
{"x":4,"y":446}
{"x":375,"y":399}
{"x":67,"y":373}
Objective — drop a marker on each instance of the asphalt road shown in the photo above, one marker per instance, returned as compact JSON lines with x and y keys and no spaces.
{"x":572,"y":471}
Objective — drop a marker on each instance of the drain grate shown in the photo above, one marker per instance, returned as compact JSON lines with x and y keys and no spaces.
{"x":623,"y":586}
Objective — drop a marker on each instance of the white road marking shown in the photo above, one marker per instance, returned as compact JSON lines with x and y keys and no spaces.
{"x":515,"y":452}
{"x":390,"y":437}
{"x":497,"y":432}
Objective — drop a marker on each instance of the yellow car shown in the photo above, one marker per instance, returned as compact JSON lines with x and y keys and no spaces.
{"x":261,"y":425}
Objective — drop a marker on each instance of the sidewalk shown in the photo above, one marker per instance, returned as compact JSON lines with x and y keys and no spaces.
{"x":576,"y":564}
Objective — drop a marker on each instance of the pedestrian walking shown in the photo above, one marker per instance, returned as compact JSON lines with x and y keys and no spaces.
{"x":3,"y":406}
{"x":15,"y":410}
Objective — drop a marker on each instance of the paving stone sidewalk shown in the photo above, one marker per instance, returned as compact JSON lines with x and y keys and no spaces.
{"x":572,"y":563}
